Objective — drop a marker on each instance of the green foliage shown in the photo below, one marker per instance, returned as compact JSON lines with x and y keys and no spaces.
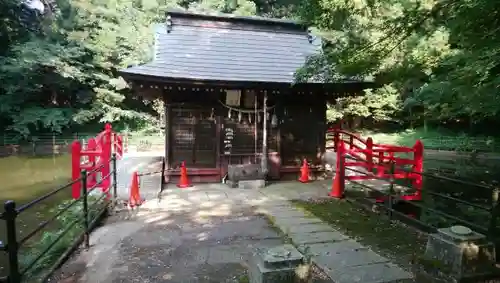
{"x":439,"y":58}
{"x":436,"y":60}
{"x":64,"y":72}
{"x":59,"y":239}
{"x":377,"y":104}
{"x":437,"y":139}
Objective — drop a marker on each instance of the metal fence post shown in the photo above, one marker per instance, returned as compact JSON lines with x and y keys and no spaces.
{"x":85,"y":209}
{"x":494,"y":213}
{"x":10,"y":215}
{"x":162,"y":183}
{"x":115,"y":184}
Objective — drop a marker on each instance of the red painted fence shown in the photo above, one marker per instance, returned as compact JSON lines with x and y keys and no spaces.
{"x":95,"y":157}
{"x":375,"y":158}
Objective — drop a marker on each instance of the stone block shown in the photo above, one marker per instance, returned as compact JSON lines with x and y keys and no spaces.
{"x":317,"y":237}
{"x":332,"y":248}
{"x":275,"y":265}
{"x":294,"y":221}
{"x":232,"y":184}
{"x":460,"y":253}
{"x":252,"y":184}
{"x":286,"y":213}
{"x":379,"y":273}
{"x":244,"y":172}
{"x":343,"y":260}
{"x":310,"y":228}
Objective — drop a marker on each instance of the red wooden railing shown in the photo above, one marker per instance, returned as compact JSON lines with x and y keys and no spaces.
{"x":95,"y":157}
{"x":375,"y":158}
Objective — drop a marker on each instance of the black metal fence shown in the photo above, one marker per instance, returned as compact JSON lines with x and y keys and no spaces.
{"x":91,"y":211}
{"x":480,"y":214}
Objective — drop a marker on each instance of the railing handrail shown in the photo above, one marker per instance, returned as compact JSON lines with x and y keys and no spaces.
{"x":390,"y":194}
{"x":376,"y":147}
{"x":13,"y":243}
{"x":348,"y":134}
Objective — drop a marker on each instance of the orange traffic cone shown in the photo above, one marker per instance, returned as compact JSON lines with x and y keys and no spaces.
{"x":304,"y":172}
{"x":135,"y":197}
{"x":337,"y":190}
{"x":183,"y":182}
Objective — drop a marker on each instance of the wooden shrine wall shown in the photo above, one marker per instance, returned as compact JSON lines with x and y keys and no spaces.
{"x":193,"y":138}
{"x":198,"y":122}
{"x":302,"y":128}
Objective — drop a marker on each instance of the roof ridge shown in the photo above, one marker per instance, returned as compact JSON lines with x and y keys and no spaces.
{"x":253,"y":20}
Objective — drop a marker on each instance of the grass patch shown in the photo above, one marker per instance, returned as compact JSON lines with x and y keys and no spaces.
{"x":436,"y":139}
{"x":391,"y":239}
{"x":244,"y":279}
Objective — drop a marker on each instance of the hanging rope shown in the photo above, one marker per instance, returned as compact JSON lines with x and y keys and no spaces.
{"x":244,"y":110}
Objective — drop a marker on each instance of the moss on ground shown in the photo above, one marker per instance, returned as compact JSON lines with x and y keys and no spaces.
{"x":401,"y":244}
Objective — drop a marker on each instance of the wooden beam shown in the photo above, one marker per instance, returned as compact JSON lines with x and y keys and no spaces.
{"x":332,"y":89}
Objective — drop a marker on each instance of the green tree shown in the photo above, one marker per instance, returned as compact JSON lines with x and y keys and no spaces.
{"x":439,"y":57}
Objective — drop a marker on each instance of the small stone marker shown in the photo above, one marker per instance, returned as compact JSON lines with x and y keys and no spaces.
{"x":460,"y":253}
{"x":275,"y":265}
{"x":252,"y":184}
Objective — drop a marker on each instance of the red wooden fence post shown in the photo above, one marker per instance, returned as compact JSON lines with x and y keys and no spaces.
{"x":106,"y":157}
{"x":369,"y":154}
{"x":336,"y":138}
{"x":338,"y":185}
{"x":418,"y":156}
{"x":76,"y":151}
{"x":92,"y":147}
{"x":381,"y":168}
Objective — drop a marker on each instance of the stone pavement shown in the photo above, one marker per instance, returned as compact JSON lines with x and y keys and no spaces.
{"x":207,"y":232}
{"x":341,"y":258}
{"x":205,"y":245}
{"x":202,"y":234}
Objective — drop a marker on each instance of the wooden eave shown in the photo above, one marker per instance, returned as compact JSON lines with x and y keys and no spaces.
{"x":331,"y":90}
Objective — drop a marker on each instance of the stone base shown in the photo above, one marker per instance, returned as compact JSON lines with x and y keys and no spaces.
{"x":232,"y":184}
{"x":459,"y":256}
{"x":276,"y":265}
{"x":244,"y":172}
{"x":252,"y":184}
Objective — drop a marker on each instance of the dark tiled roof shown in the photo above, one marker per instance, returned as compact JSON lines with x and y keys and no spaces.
{"x":225,"y":48}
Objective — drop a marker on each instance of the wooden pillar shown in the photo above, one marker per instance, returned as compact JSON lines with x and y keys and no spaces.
{"x":218,"y":141}
{"x":322,"y":123}
{"x":280,"y":109}
{"x":168,"y":134}
{"x":264,"y":136}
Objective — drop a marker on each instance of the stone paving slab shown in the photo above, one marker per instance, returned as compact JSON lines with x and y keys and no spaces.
{"x":343,"y":259}
{"x":285,"y":213}
{"x":373,"y":273}
{"x":335,"y":247}
{"x":309,"y":228}
{"x":287,"y":222}
{"x":349,"y":259}
{"x":315,"y":238}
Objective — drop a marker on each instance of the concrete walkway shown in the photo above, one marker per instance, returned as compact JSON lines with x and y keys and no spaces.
{"x":206,"y":234}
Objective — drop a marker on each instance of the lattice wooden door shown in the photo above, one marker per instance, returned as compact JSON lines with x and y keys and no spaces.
{"x":193,"y":138}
